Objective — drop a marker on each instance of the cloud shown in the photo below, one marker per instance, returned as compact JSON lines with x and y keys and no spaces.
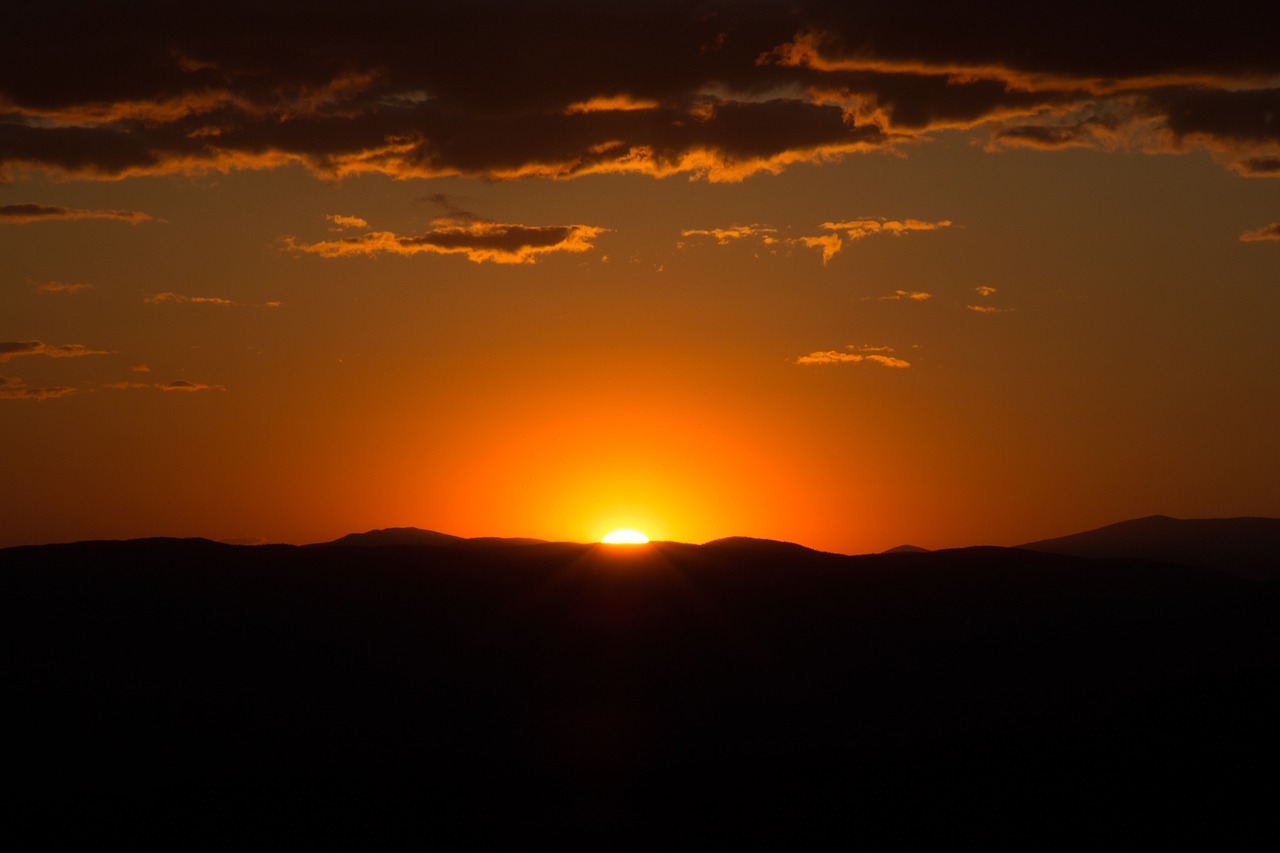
{"x":63,"y":287}
{"x":613,"y":103}
{"x":852,"y":354}
{"x":179,"y":299}
{"x":21,"y":214}
{"x":1257,"y":167}
{"x":479,"y":241}
{"x":856,"y":229}
{"x":1266,"y":232}
{"x":141,"y":368}
{"x":10,"y":349}
{"x":170,"y":298}
{"x":189,"y":387}
{"x":13,"y":388}
{"x":830,"y":244}
{"x":716,"y":91}
{"x":347,"y":221}
{"x":725,"y":236}
{"x":989,"y":309}
{"x":900,"y":295}
{"x":180,"y":385}
{"x":984,"y":290}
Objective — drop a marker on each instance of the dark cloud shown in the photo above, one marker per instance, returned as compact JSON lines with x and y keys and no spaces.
{"x":478,"y":240}
{"x":27,"y":212}
{"x":10,"y":349}
{"x":1259,"y":166}
{"x":13,"y":388}
{"x":711,"y":89}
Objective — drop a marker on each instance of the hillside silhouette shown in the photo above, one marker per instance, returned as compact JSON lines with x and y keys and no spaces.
{"x":168,"y":691}
{"x":1248,"y":547}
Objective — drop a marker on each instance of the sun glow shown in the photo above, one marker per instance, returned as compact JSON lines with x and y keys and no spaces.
{"x":625,"y":536}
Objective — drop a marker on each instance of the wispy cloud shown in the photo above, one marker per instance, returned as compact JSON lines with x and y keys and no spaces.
{"x":856,"y":229}
{"x":13,"y":388}
{"x":904,"y":296}
{"x":989,"y":309}
{"x":63,"y":287}
{"x":1266,"y":232}
{"x":830,"y":244}
{"x":984,"y":290}
{"x":478,"y":241}
{"x":10,"y":349}
{"x":20,"y":214}
{"x":179,"y":299}
{"x":178,"y":385}
{"x":170,"y":298}
{"x":853,"y":354}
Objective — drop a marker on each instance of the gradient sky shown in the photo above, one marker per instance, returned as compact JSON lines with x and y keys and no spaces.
{"x":846,"y":274}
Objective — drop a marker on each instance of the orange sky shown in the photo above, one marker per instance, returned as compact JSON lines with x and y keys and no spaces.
{"x":847,"y":281}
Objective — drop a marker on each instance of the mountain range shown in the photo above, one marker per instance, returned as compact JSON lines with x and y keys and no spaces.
{"x":404,"y":687}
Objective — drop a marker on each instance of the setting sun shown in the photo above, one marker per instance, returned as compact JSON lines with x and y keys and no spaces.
{"x":625,"y":536}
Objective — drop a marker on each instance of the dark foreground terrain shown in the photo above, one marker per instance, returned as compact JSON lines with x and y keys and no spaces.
{"x":451,"y":693}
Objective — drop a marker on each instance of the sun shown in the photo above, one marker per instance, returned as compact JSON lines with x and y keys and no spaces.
{"x":625,"y":536}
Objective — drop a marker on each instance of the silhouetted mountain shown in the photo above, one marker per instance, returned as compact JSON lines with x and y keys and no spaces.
{"x":396,"y":536}
{"x":415,"y":536}
{"x":166,"y":692}
{"x":906,"y":549}
{"x":1248,"y":547}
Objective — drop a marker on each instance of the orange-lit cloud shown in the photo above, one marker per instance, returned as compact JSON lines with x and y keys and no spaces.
{"x":178,"y":385}
{"x":989,"y":309}
{"x":725,"y":236}
{"x":478,"y":241}
{"x":27,"y":212}
{"x":10,"y":349}
{"x":610,"y":104}
{"x":984,"y":290}
{"x":852,"y":354}
{"x":830,"y":244}
{"x":13,"y":388}
{"x":1266,"y":232}
{"x":141,"y":368}
{"x":178,"y":299}
{"x":347,"y":221}
{"x":67,"y":288}
{"x":856,"y":229}
{"x":904,"y":295}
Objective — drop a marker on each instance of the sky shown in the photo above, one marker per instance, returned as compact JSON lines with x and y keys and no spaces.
{"x":851,"y":275}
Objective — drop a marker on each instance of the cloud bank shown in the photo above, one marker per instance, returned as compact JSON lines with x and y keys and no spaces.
{"x":712,"y":90}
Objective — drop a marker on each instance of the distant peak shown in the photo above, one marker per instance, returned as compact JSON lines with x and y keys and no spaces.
{"x":396,"y":536}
